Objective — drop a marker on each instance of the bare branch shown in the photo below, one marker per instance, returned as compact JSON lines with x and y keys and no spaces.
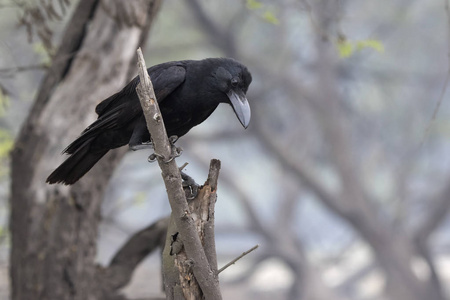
{"x":172,"y":178}
{"x":123,"y":264}
{"x":237,"y":258}
{"x":222,"y":38}
{"x":435,"y":216}
{"x":11,"y":71}
{"x":298,"y":168}
{"x":447,"y":78}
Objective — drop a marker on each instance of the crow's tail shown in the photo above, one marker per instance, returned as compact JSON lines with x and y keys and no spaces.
{"x":79,"y":163}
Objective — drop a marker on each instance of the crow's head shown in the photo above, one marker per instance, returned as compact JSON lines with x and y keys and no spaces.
{"x":233,"y":79}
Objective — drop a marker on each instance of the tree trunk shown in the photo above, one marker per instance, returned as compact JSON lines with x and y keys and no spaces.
{"x":54,"y":228}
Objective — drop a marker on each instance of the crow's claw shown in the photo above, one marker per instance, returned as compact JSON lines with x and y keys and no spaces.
{"x":154,"y":156}
{"x":190,"y":184}
{"x":176,"y":151}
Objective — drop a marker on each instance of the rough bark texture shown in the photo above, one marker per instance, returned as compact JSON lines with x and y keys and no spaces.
{"x":54,"y":228}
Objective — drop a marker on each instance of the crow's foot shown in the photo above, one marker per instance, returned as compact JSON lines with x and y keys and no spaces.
{"x":189,"y":186}
{"x":176,"y":151}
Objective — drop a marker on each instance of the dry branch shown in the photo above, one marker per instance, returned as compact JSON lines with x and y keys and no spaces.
{"x":181,"y":214}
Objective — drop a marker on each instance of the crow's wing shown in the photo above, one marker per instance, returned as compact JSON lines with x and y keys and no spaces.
{"x":165,"y":80}
{"x":121,"y":108}
{"x":124,"y":106}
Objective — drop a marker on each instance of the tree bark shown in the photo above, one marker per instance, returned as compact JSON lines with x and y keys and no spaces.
{"x":54,"y":228}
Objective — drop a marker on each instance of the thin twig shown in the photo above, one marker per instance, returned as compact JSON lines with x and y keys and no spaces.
{"x":237,"y":258}
{"x":24,"y":68}
{"x":447,"y":78}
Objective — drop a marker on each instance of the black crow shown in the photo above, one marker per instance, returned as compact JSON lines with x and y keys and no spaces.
{"x":187,"y":93}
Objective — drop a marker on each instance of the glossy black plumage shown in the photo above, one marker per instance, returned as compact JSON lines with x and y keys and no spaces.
{"x":187,"y":92}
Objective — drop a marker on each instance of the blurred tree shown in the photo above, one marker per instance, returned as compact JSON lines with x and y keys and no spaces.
{"x":54,"y":228}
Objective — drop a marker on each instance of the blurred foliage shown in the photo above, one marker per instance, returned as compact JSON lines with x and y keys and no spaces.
{"x":265,"y":12}
{"x":6,"y":140}
{"x":38,"y":17}
{"x":269,"y":16}
{"x":347,"y":48}
{"x":253,"y":4}
{"x":44,"y":54}
{"x":374,"y":44}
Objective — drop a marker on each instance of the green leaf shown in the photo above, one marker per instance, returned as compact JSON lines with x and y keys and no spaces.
{"x":270,"y":17}
{"x":345,"y":48}
{"x":253,"y":4}
{"x":370,"y":43}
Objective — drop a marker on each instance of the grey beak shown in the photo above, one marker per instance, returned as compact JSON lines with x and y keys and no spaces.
{"x":240,"y":106}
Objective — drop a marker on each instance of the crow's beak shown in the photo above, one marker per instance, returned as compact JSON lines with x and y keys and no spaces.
{"x":240,"y":106}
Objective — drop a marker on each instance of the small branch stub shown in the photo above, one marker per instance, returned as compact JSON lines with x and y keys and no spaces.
{"x":157,"y":117}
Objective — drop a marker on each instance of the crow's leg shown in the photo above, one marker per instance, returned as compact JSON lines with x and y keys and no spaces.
{"x":146,"y":145}
{"x":173,"y":139}
{"x":140,"y":139}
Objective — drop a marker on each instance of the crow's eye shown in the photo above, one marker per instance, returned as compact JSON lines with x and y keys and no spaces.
{"x":234,"y":82}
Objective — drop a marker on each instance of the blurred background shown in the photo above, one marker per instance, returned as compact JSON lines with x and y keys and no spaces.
{"x":343,"y":176}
